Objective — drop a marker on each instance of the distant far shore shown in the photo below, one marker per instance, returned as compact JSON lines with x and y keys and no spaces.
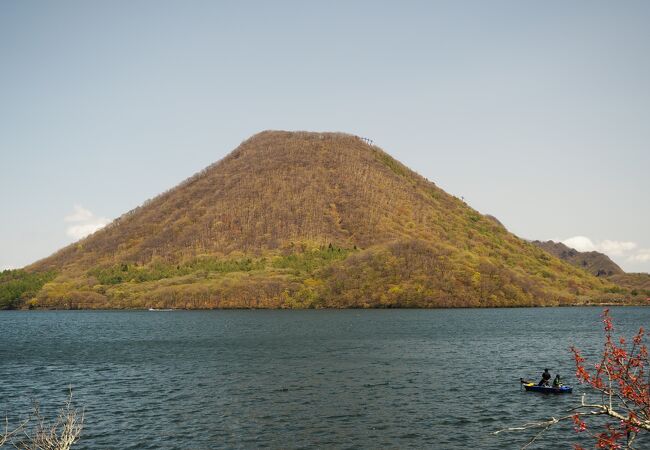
{"x":162,"y":310}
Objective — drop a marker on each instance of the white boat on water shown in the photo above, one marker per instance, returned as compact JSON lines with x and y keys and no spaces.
{"x":160,"y":309}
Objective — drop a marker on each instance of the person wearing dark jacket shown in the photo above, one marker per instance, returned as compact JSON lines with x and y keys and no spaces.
{"x":546,"y":377}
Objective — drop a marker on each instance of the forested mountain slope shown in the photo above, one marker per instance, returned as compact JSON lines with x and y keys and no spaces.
{"x":297,"y":219}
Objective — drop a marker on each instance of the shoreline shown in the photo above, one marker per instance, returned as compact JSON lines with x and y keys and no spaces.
{"x":148,"y":309}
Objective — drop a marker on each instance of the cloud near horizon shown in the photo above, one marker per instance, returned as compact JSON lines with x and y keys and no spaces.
{"x":83,"y":222}
{"x":642,"y":256}
{"x":624,"y":249}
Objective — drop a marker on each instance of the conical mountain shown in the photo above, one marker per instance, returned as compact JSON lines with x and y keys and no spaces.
{"x":297,"y":219}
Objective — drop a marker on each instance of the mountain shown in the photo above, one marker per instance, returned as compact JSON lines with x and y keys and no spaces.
{"x":637,"y":285}
{"x":595,"y":263}
{"x":297,"y":219}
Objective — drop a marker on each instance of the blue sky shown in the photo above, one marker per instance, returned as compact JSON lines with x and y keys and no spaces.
{"x":535,"y":112}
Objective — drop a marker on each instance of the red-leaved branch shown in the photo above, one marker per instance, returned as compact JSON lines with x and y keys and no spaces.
{"x":621,"y":378}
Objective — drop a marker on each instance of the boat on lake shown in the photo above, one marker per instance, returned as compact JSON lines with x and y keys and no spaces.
{"x":160,"y":309}
{"x":534,"y":387}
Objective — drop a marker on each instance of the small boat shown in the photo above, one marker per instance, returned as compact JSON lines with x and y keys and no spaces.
{"x":157,"y":309}
{"x":534,"y":387}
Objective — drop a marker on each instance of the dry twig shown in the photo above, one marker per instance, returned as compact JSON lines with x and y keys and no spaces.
{"x":60,"y":434}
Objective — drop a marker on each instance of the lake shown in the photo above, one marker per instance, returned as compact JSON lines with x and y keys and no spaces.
{"x":300,"y":379}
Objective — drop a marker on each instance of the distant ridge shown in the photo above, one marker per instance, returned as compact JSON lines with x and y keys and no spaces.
{"x":636,"y":285}
{"x":595,"y":263}
{"x":303,"y":219}
{"x":599,"y":264}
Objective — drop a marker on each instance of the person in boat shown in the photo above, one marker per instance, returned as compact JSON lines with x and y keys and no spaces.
{"x":556,"y":381}
{"x":546,"y":378}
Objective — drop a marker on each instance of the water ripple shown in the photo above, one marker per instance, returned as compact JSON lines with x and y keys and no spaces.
{"x":296,"y":379}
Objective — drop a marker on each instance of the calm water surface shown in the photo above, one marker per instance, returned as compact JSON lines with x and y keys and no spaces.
{"x":299,"y":379}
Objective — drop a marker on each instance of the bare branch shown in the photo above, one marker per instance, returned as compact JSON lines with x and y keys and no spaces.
{"x":60,"y":434}
{"x":7,"y":435}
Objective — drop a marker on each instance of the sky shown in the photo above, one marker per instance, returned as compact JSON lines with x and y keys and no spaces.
{"x":535,"y":112}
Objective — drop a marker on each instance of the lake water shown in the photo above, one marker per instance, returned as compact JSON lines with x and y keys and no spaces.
{"x":299,"y":379}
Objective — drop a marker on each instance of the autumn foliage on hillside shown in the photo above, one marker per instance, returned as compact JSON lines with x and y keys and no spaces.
{"x":297,"y":219}
{"x":638,"y":284}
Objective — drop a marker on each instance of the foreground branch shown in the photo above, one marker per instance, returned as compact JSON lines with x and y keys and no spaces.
{"x":622,"y":377}
{"x":59,"y":434}
{"x":595,"y":410}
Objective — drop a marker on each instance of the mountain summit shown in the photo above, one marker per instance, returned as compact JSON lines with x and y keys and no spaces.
{"x":298,"y":219}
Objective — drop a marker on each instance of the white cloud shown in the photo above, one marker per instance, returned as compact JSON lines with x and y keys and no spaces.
{"x":641,"y":256}
{"x":84,"y":222}
{"x":80,"y":214}
{"x":580,"y":243}
{"x":80,"y":231}
{"x":609,"y":247}
{"x":616,"y":248}
{"x":613,"y":249}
